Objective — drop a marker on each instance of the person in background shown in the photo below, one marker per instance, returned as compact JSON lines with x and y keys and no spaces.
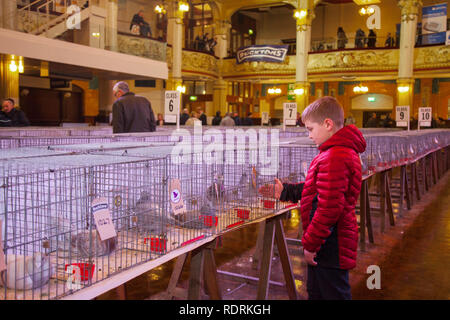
{"x":389,"y":41}
{"x":131,"y":113}
{"x":342,"y":38}
{"x":227,"y":121}
{"x":144,"y":27}
{"x":237,"y":120}
{"x":350,"y":120}
{"x":217,"y":119}
{"x":413,"y":122}
{"x":184,"y":117}
{"x":160,"y":120}
{"x":360,"y":38}
{"x":299,"y":122}
{"x":11,"y":116}
{"x":193,"y":119}
{"x":247,"y":121}
{"x":372,"y":122}
{"x":388,"y":122}
{"x":202,"y":116}
{"x":371,"y":39}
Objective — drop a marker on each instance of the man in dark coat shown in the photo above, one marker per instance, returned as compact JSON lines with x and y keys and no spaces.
{"x":372,"y":122}
{"x":248,"y":121}
{"x":144,"y":27}
{"x":202,"y":117}
{"x":184,"y":117}
{"x":16,"y":117}
{"x":236,"y":119}
{"x":131,"y":113}
{"x":217,"y":119}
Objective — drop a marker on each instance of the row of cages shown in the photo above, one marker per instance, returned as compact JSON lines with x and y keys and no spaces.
{"x":52,"y":240}
{"x":35,"y":137}
{"x":156,"y":200}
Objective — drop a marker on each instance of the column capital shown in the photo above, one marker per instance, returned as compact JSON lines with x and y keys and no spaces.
{"x":409,"y":9}
{"x":222,"y":26}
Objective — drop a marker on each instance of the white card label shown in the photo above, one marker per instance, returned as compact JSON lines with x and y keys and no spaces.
{"x":102,"y":218}
{"x":402,"y":116}
{"x":264,"y":118}
{"x":176,"y":198}
{"x":290,"y":113}
{"x":172,"y":106}
{"x":425,"y":117}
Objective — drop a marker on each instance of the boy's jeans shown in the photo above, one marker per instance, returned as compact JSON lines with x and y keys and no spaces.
{"x":328,"y":284}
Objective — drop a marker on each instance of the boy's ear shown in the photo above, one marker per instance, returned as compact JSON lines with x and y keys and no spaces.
{"x":329,"y":124}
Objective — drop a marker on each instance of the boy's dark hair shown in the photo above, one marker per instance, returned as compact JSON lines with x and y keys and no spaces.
{"x":324,"y":108}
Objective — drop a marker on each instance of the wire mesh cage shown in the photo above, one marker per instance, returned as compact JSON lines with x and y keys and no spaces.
{"x":50,"y":229}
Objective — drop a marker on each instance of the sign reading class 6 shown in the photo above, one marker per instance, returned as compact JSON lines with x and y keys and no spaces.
{"x":171,"y":106}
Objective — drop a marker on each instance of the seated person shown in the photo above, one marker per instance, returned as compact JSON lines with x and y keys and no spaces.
{"x":144,"y":27}
{"x":16,"y":116}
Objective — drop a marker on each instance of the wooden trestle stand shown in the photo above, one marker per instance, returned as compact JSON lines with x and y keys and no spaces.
{"x":203,"y":271}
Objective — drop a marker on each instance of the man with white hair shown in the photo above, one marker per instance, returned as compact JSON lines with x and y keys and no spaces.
{"x":12,"y":117}
{"x":131,"y":113}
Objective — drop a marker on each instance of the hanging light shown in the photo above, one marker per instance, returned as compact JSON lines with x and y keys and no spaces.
{"x":300,"y":14}
{"x":181,"y":89}
{"x":403,"y":89}
{"x":183,"y":6}
{"x":21,"y":68}
{"x":12,"y":65}
{"x":360,"y":89}
{"x":274,"y":90}
{"x":160,"y":9}
{"x":366,"y":11}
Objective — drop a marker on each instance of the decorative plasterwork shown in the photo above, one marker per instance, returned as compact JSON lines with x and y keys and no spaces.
{"x":142,"y":47}
{"x":196,"y":63}
{"x":353,"y":60}
{"x":337,"y":62}
{"x":432,"y":57}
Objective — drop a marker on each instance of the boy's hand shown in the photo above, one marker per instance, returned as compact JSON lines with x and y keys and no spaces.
{"x":309,"y":257}
{"x":272,"y":190}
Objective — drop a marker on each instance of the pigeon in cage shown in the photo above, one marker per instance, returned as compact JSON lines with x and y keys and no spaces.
{"x":215,"y":193}
{"x":85,"y":243}
{"x":89,"y":244}
{"x":249,"y":185}
{"x":150,"y":219}
{"x":27,"y":272}
{"x":148,"y":216}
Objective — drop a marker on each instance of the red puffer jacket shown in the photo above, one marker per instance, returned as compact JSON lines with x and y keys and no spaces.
{"x":332,"y":186}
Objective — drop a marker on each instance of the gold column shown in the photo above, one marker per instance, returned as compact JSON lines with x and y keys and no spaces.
{"x":222,"y":33}
{"x":409,"y":16}
{"x":304,"y":16}
{"x":175,"y":19}
{"x":111,"y":25}
{"x":9,"y":81}
{"x":9,"y":11}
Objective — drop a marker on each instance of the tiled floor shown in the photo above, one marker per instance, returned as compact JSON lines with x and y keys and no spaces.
{"x":413,"y":255}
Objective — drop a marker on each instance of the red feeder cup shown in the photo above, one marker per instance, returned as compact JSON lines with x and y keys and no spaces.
{"x":157,"y":244}
{"x":268,"y":204}
{"x":242,"y":213}
{"x":209,"y":221}
{"x":86,"y":270}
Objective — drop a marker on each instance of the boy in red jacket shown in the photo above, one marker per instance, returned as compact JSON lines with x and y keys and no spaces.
{"x":328,"y":197}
